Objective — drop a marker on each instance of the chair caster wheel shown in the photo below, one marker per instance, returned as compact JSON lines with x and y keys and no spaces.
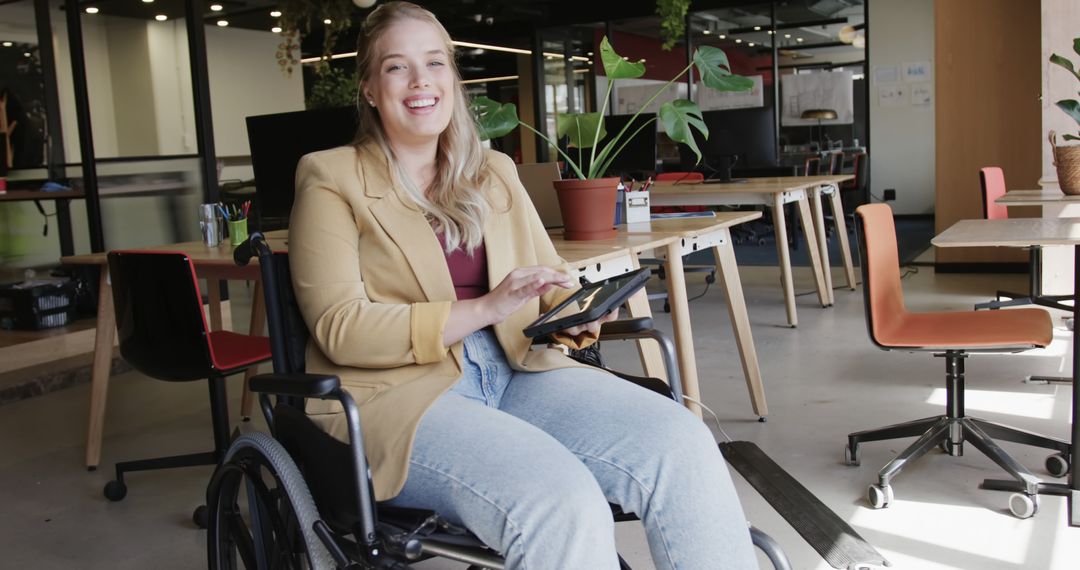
{"x":201,"y":516}
{"x":115,"y":490}
{"x":761,"y":419}
{"x":1058,"y":465}
{"x":1023,"y":506}
{"x":879,"y":496}
{"x":851,"y":457}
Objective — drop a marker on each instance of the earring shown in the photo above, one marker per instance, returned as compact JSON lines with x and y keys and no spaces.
{"x":371,"y":102}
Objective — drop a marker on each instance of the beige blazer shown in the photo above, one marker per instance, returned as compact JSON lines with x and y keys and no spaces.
{"x":375,"y":291}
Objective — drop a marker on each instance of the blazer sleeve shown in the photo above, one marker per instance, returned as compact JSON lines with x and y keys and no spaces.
{"x":349,"y":328}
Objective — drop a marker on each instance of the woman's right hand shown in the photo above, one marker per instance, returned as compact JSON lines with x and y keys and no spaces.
{"x":518,"y":287}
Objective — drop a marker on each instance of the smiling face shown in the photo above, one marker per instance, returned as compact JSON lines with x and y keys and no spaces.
{"x":411,"y":83}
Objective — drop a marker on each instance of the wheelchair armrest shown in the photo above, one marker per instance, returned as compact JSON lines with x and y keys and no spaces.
{"x":300,"y":385}
{"x":624,"y":327}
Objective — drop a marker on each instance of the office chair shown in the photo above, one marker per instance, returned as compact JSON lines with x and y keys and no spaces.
{"x":812,"y":166}
{"x":992,"y":180}
{"x":953,"y":336}
{"x":163,"y":333}
{"x":836,"y":162}
{"x":309,"y":501}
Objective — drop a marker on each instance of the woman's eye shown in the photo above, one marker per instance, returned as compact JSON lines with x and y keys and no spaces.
{"x":436,"y":63}
{"x":394,"y":67}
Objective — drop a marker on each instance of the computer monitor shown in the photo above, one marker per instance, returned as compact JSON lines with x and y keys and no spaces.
{"x":277,"y":143}
{"x":639,"y":154}
{"x":737,"y":137}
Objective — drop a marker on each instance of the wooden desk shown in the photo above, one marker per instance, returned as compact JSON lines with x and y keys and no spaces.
{"x":1036,"y":198}
{"x":1026,"y":232}
{"x":774,"y":192}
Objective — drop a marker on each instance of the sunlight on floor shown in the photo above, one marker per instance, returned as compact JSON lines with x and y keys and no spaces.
{"x":1026,"y":404}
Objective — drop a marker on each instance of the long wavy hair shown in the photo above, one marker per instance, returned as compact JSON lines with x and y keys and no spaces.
{"x":455,"y":202}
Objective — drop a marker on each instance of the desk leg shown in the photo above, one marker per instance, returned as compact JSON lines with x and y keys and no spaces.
{"x":680,"y":319}
{"x":652,"y":361}
{"x":812,"y":247}
{"x":780,"y":228}
{"x":213,"y":291}
{"x":740,"y":322}
{"x":823,"y":244}
{"x":99,"y":375}
{"x":841,"y":233}
{"x":255,"y":328}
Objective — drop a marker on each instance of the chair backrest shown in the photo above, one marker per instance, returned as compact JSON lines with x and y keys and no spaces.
{"x":836,"y":162}
{"x":288,"y":333}
{"x":686,"y":177}
{"x":883,"y":294}
{"x":537,"y":179}
{"x":812,"y":167}
{"x":159,"y":315}
{"x":992,"y":179}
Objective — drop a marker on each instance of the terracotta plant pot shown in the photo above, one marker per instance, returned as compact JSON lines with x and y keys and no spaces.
{"x":587,"y":207}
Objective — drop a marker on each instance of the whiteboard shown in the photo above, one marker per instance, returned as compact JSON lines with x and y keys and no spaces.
{"x":821,"y":90}
{"x":711,"y":99}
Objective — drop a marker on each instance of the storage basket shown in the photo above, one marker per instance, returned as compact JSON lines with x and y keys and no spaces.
{"x":37,"y":304}
{"x":1067,"y":161}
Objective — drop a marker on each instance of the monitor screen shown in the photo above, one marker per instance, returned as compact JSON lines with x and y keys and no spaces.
{"x":277,"y":143}
{"x":747,"y":134}
{"x":639,"y":154}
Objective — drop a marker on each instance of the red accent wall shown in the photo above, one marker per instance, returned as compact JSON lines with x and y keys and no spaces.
{"x":662,"y":65}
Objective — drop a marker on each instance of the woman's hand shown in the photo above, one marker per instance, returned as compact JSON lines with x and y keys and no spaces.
{"x":518,"y":287}
{"x":592,"y":326}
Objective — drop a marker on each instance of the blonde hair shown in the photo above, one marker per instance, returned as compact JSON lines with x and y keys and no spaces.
{"x":455,"y":201}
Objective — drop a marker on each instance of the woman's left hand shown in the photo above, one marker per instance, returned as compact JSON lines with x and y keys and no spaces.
{"x":592,"y":326}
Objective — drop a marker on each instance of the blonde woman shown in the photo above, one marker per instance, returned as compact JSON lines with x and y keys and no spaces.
{"x":417,"y":261}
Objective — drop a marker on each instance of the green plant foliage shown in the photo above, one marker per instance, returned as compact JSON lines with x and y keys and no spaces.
{"x":299,"y":17}
{"x":672,"y":20}
{"x":585,"y":130}
{"x":333,"y":87}
{"x":1070,"y":106}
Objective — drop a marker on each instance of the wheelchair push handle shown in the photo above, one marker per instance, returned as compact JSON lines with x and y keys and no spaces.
{"x":254,"y":246}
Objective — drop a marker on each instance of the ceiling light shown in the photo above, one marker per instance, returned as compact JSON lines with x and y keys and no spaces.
{"x":751,"y":44}
{"x":328,"y":21}
{"x":787,"y":36}
{"x":8,"y":44}
{"x":798,"y":40}
{"x":161,"y":17}
{"x":26,"y":53}
{"x":148,"y":1}
{"x":722,"y":36}
{"x":275,"y":14}
{"x":846,"y":34}
{"x":92,"y":10}
{"x":707,"y":32}
{"x":738,"y":41}
{"x":276,"y":29}
{"x":770,"y":32}
{"x":489,"y":79}
{"x":859,"y":41}
{"x":216,"y":7}
{"x":757,"y":28}
{"x":222,"y":23}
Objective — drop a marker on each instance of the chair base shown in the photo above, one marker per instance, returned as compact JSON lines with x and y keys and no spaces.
{"x":950,"y":433}
{"x":1020,"y":299}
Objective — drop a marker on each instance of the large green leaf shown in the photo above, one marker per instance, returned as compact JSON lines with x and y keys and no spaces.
{"x":1076,"y":46}
{"x":678,"y":117}
{"x":493,"y":119}
{"x":712,"y":65}
{"x":615,"y":66}
{"x":1058,"y":60}
{"x":1071,"y":107}
{"x":581,"y":128}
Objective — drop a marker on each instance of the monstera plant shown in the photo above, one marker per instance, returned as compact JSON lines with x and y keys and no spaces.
{"x":585,"y":130}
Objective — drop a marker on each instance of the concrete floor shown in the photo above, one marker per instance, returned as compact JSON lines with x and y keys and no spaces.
{"x":822,"y":380}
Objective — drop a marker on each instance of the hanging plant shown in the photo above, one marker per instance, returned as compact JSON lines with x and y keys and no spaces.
{"x":298,"y":17}
{"x":672,"y":20}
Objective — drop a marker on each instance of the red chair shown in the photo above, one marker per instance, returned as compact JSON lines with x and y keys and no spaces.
{"x":679,"y":178}
{"x":954,"y":336}
{"x":992,"y":179}
{"x":163,"y":333}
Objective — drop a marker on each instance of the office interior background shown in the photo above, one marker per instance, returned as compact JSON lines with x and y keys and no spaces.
{"x":929,"y":91}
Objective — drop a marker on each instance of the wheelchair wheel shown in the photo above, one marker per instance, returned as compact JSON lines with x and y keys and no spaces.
{"x":261,"y":514}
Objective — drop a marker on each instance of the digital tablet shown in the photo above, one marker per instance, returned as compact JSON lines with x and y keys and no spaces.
{"x":589,"y":303}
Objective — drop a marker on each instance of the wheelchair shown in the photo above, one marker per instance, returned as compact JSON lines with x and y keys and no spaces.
{"x":303,"y":499}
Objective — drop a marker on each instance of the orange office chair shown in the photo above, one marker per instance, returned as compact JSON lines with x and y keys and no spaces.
{"x":163,"y":333}
{"x":992,"y":179}
{"x":952,"y":335}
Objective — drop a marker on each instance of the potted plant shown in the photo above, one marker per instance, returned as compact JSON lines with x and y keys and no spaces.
{"x":587,"y":203}
{"x":1067,"y":158}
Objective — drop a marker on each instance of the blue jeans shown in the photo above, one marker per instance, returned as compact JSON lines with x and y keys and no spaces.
{"x":528,"y":461}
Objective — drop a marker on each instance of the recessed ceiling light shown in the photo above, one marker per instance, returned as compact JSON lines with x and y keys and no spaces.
{"x":161,"y":17}
{"x":8,"y":44}
{"x":148,"y":1}
{"x":770,"y":32}
{"x":222,"y":23}
{"x":216,"y":7}
{"x":276,"y":29}
{"x":275,"y":14}
{"x":798,"y":39}
{"x":751,"y":44}
{"x":707,"y":32}
{"x":92,"y":10}
{"x":738,"y":41}
{"x":589,"y":54}
{"x":26,"y":53}
{"x":328,"y":21}
{"x":722,"y":36}
{"x":757,"y":28}
{"x":787,"y":36}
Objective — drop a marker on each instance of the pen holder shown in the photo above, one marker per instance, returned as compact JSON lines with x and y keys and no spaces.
{"x":238,"y":232}
{"x":210,"y":224}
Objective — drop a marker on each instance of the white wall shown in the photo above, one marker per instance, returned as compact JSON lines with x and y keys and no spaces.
{"x":901,"y":137}
{"x":1060,"y":24}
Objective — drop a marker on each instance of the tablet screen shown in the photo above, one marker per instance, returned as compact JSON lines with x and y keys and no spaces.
{"x":591,"y":302}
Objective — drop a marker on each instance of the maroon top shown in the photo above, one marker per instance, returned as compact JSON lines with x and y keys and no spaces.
{"x":468,"y":272}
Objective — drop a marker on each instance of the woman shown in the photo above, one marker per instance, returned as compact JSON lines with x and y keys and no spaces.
{"x":417,"y":260}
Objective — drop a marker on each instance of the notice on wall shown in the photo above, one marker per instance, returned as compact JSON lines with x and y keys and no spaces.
{"x":916,"y":71}
{"x":630,"y":99}
{"x":892,"y":96}
{"x":922,"y":94}
{"x":711,"y":99}
{"x":886,"y":74}
{"x":822,"y":90}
